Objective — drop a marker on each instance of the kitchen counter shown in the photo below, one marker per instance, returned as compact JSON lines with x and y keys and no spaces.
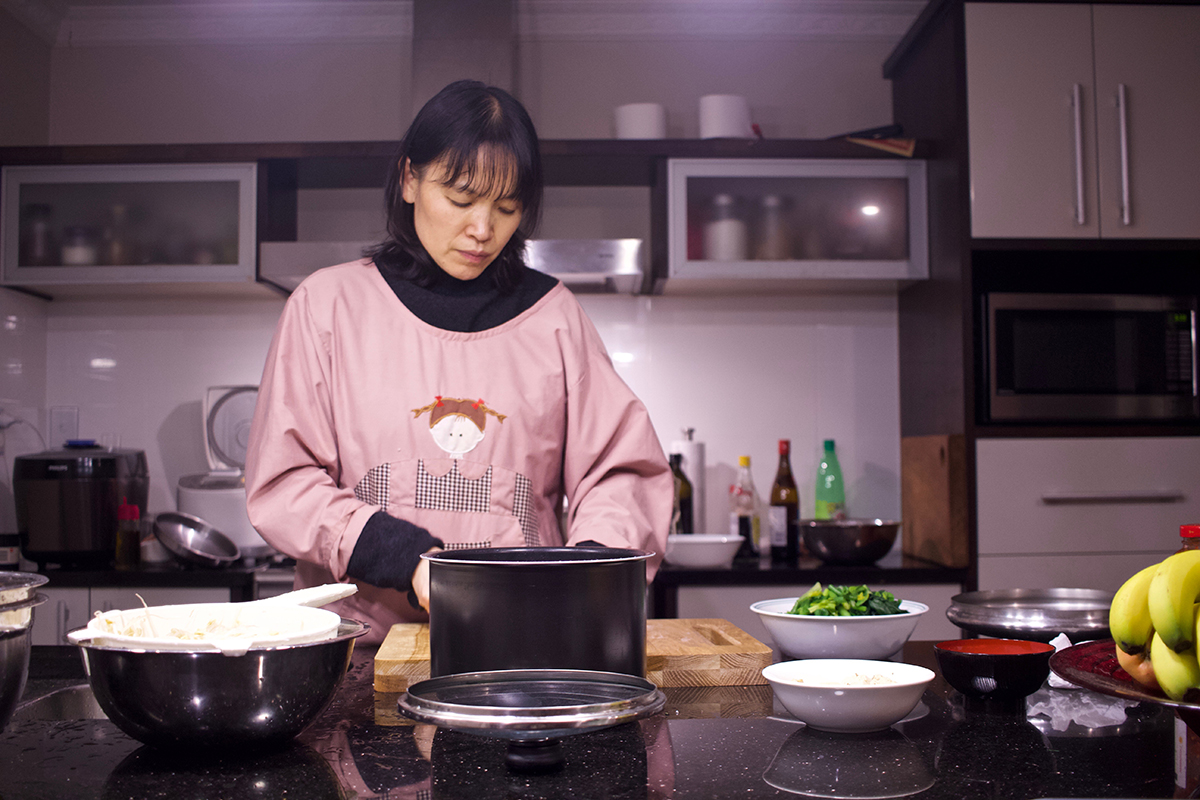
{"x":894,"y":568}
{"x":707,"y":743}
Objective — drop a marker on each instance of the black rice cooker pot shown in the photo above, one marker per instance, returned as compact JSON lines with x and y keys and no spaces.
{"x":66,"y":502}
{"x":537,"y":608}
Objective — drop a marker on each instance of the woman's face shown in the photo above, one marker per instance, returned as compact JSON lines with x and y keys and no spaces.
{"x":462,"y":229}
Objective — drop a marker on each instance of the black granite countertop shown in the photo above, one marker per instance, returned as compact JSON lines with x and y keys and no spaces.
{"x":707,"y":743}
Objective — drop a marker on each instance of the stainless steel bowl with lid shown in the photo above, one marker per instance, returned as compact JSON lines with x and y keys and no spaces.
{"x":209,"y":701}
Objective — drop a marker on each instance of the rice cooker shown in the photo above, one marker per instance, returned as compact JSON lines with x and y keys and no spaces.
{"x":66,"y":501}
{"x":219,"y":496}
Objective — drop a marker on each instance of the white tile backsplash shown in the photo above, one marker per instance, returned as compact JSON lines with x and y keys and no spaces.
{"x":743,"y":371}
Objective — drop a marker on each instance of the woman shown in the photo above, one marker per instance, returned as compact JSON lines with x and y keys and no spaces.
{"x":439,"y":393}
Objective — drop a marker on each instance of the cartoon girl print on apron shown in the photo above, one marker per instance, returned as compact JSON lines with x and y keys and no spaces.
{"x":482,"y":503}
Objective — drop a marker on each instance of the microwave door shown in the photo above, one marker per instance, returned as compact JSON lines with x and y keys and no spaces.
{"x":1079,"y":357}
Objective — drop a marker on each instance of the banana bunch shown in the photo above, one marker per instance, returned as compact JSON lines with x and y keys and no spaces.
{"x":1153,"y":622}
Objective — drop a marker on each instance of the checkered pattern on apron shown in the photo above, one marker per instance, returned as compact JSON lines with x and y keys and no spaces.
{"x":373,"y":488}
{"x":454,"y":492}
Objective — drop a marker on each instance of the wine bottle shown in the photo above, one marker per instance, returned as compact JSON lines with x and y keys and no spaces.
{"x":684,"y":520}
{"x":784,"y":512}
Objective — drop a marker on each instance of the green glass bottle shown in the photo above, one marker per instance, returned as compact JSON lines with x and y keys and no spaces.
{"x":831,"y":491}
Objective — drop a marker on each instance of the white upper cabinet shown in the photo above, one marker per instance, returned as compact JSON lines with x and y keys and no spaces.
{"x":1082,"y":120}
{"x":121,"y":225}
{"x":743,"y":221}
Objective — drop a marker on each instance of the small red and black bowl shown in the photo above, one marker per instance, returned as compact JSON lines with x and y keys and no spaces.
{"x":994,"y":669}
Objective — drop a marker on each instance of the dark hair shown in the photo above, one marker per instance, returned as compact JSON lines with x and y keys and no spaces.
{"x":485,"y":136}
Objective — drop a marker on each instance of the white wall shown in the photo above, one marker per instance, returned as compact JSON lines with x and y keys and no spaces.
{"x":744,"y":372}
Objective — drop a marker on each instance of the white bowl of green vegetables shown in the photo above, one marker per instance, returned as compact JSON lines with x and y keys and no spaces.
{"x":840,"y":622}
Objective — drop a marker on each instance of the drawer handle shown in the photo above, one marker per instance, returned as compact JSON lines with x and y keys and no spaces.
{"x":1077,"y":119}
{"x":1079,"y":498}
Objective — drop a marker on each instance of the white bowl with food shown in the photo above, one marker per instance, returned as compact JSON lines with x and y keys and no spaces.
{"x":702,"y":550}
{"x":874,"y":636}
{"x":847,"y":695}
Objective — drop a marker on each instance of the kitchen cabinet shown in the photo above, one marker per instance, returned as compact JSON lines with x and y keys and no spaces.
{"x":1082,"y":120}
{"x":779,"y":219}
{"x":65,"y":226}
{"x":280,"y":174}
{"x":69,"y":608}
{"x":1085,"y":512}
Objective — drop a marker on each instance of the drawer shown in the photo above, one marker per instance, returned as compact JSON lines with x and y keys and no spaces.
{"x":1119,"y":495}
{"x":1071,"y":570}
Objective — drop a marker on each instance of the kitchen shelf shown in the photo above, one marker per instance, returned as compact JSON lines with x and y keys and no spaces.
{"x":285,"y":168}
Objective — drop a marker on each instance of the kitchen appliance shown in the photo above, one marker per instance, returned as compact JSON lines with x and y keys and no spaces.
{"x":1096,"y":357}
{"x":537,"y":608}
{"x":66,"y":502}
{"x":218,"y":497}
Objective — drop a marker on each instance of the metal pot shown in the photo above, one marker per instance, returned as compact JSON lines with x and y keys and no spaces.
{"x":210,"y":701}
{"x":16,"y":622}
{"x":537,"y":608}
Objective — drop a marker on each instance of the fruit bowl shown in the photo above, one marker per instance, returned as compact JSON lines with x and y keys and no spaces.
{"x":1093,"y":665}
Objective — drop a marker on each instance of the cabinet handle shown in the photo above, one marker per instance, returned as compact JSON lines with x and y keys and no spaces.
{"x":1081,"y":498}
{"x":1077,"y":113}
{"x":1123,"y":118}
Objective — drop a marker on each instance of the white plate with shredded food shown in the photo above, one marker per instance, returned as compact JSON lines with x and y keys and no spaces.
{"x":230,"y":628}
{"x":848,"y":695}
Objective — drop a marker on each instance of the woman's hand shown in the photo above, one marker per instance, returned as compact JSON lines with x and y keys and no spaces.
{"x":420,"y":579}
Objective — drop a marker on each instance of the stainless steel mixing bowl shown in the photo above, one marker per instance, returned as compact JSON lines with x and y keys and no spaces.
{"x":849,"y":541}
{"x":209,"y":701}
{"x":16,"y":620}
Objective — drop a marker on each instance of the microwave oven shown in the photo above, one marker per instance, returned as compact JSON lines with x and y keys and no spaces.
{"x":1089,"y":357}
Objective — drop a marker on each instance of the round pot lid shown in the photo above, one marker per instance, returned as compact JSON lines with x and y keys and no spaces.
{"x":230,"y":410}
{"x":193,"y":540}
{"x":531,"y":704}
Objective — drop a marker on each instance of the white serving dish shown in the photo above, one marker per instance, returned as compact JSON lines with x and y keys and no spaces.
{"x":822,"y":692}
{"x":802,"y":636}
{"x":702,"y":550}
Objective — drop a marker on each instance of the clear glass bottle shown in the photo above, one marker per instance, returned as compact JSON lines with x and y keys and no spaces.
{"x":783,"y":515}
{"x":743,"y":511}
{"x":683,"y":521}
{"x":773,"y":239}
{"x":831,"y":490}
{"x":725,"y":233}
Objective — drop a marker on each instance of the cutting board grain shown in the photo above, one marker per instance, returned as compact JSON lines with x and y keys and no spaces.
{"x":679,"y":652}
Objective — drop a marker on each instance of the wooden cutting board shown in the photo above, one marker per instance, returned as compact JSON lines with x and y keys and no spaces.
{"x":679,"y":652}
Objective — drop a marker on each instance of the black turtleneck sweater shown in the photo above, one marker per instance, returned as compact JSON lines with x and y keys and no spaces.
{"x":389,"y":548}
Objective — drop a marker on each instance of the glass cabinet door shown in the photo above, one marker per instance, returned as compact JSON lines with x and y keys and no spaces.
{"x":128,"y":223}
{"x":797,"y":219}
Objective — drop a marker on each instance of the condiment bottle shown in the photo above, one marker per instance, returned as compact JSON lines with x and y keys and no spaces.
{"x":743,"y":511}
{"x":1189,"y":537}
{"x":683,"y":521}
{"x":783,"y":516}
{"x":725,"y":234}
{"x":129,"y":535}
{"x":79,"y":247}
{"x":831,"y":491}
{"x":773,"y":242}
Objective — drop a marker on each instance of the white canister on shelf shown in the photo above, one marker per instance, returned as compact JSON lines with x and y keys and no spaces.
{"x":725,"y":233}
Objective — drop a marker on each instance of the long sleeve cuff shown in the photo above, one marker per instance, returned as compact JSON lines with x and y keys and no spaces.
{"x":388,"y":551}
